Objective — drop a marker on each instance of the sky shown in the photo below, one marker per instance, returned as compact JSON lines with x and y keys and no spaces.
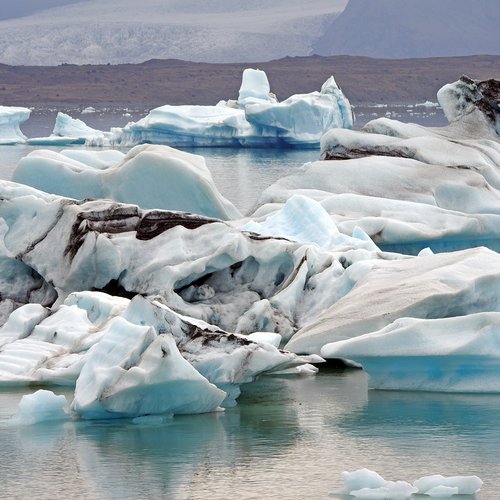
{"x":20,"y":8}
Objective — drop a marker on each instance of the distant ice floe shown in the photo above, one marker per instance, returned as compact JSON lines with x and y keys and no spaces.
{"x":10,"y":121}
{"x":256,"y":119}
{"x":150,"y":176}
{"x":364,"y":483}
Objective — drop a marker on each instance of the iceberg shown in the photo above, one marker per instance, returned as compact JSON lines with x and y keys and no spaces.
{"x":128,"y":358}
{"x":456,"y":354}
{"x":150,"y":176}
{"x":202,"y":267}
{"x":383,"y":179}
{"x":67,"y":131}
{"x":41,"y":406}
{"x":255,"y":119}
{"x":382,"y":291}
{"x":10,"y":121}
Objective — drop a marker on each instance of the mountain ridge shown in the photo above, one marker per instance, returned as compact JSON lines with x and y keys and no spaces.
{"x":363,"y":80}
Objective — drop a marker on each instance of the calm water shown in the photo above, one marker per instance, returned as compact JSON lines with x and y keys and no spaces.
{"x":288,"y":438}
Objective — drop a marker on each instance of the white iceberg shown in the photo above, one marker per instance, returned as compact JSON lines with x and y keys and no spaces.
{"x":441,"y":486}
{"x":378,"y":292}
{"x":149,"y":176}
{"x":132,"y":372}
{"x":111,"y":348}
{"x":41,"y":406}
{"x":256,"y":119}
{"x":68,"y":130}
{"x":383,"y":179}
{"x":457,"y":354}
{"x":10,"y":120}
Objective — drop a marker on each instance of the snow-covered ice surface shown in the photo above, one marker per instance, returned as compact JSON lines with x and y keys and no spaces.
{"x":149,"y":176}
{"x":365,"y":483}
{"x":255,"y":119}
{"x":10,"y":121}
{"x":383,"y":179}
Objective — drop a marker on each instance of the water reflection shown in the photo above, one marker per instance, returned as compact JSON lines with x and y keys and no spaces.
{"x":287,"y":438}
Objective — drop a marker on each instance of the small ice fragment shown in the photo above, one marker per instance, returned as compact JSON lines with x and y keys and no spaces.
{"x":41,"y":406}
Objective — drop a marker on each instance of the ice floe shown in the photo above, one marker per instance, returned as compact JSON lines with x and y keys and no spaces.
{"x":150,"y":176}
{"x":456,"y":354}
{"x":256,"y":119}
{"x":365,"y":483}
{"x":10,"y":121}
{"x":41,"y":406}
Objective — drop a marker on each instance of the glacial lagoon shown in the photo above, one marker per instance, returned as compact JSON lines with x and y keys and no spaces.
{"x":287,"y":438}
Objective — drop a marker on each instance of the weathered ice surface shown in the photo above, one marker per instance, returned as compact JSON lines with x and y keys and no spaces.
{"x":408,"y":186}
{"x":149,"y":176}
{"x":432,"y":286}
{"x":130,"y":358}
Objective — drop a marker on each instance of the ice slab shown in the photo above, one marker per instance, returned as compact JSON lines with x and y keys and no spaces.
{"x":433,"y":286}
{"x":10,"y":120}
{"x":457,"y":354}
{"x":41,"y":406}
{"x":149,"y":176}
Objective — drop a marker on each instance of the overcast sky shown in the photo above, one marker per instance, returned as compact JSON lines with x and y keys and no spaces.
{"x":18,"y":8}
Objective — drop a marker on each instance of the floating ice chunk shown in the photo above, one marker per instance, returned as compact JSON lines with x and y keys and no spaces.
{"x":367,"y":484}
{"x":434,"y":286}
{"x":448,"y":354}
{"x":436,"y":484}
{"x":10,"y":121}
{"x":391,"y":490}
{"x":88,"y":110}
{"x":149,"y":176}
{"x":361,"y":478}
{"x":256,"y":119}
{"x":133,"y":372}
{"x":41,"y":406}
{"x":68,"y":130}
